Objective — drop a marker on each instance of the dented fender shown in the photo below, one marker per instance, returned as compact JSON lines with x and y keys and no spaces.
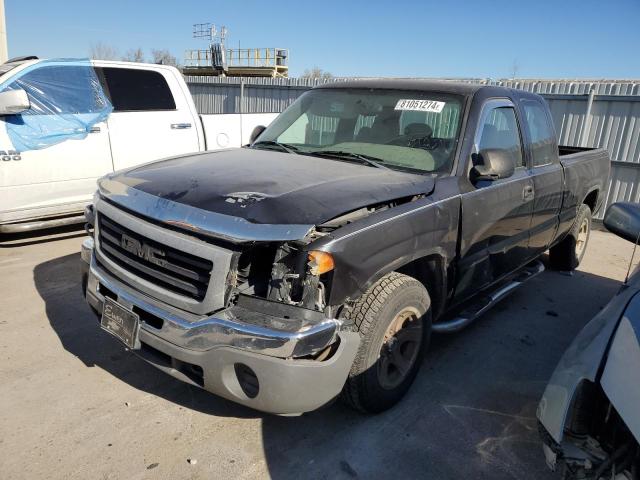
{"x":369,"y":248}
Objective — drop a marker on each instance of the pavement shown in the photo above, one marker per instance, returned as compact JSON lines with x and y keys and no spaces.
{"x":75,"y":405}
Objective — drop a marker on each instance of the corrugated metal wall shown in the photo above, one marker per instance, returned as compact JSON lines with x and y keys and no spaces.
{"x":259,"y":95}
{"x":612,"y":122}
{"x":597,"y":113}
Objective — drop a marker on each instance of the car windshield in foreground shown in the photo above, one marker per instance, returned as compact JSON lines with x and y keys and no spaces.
{"x":399,"y":129}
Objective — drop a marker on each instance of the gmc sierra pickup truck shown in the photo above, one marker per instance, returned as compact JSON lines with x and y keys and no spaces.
{"x":316,"y":262}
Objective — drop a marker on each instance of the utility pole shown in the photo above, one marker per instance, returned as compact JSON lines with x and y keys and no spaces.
{"x":4,"y":55}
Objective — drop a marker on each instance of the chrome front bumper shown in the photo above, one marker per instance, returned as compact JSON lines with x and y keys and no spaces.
{"x":238,"y":326}
{"x":241,"y":354}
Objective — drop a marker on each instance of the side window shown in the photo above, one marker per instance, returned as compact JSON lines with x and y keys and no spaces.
{"x":311,"y":129}
{"x":500,"y":131}
{"x":363,"y":126}
{"x":137,"y":90}
{"x":297,"y":131}
{"x":543,"y":142}
{"x":322,"y":130}
{"x":61,"y":89}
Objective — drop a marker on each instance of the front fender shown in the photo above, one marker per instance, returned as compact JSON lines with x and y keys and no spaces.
{"x":366,"y":250}
{"x":582,"y":361}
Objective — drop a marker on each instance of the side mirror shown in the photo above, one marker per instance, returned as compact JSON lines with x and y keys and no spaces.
{"x":256,"y":133}
{"x":14,"y":101}
{"x":623,"y":220}
{"x":492,"y":164}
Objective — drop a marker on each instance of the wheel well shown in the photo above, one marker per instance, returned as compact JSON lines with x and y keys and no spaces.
{"x":430,"y":271}
{"x":591,"y":199}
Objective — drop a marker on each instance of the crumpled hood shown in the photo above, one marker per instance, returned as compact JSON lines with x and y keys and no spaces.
{"x":268,"y":187}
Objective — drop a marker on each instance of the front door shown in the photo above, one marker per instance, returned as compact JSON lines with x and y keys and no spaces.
{"x":41,"y":178}
{"x":496,"y":215}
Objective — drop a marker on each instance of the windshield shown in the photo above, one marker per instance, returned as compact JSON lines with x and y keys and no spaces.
{"x":397,"y":129}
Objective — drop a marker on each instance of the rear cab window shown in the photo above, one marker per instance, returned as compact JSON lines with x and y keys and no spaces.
{"x":543,"y":139}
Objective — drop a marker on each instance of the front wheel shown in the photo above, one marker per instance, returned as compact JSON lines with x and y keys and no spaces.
{"x":568,"y":254}
{"x":394,"y":322}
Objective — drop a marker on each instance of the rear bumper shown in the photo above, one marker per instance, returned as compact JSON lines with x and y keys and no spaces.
{"x":243,"y":355}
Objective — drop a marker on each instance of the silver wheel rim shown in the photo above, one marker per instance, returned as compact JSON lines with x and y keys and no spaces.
{"x":581,"y":239}
{"x":400,"y":347}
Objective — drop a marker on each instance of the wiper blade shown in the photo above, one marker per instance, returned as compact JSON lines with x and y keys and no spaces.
{"x":285,"y":147}
{"x":366,"y":159}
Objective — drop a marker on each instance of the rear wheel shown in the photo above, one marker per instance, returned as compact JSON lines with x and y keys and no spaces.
{"x":568,"y":254}
{"x":393,"y":319}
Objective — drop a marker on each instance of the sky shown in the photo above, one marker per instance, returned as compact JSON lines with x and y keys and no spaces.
{"x":401,"y":38}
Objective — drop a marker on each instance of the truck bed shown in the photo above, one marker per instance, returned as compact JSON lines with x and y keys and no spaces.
{"x":586,"y":172}
{"x":564,"y":150}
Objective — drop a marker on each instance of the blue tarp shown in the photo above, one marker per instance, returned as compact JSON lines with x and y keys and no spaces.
{"x":67,"y":100}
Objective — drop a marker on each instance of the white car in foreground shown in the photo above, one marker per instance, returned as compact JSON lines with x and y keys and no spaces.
{"x":65,"y":123}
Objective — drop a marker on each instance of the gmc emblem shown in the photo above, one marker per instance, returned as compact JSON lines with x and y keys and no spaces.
{"x":142,"y":250}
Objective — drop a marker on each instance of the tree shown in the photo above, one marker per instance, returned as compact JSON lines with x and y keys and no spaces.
{"x":101,"y":51}
{"x":164,"y":57}
{"x":132,"y":55}
{"x":316,"y":73}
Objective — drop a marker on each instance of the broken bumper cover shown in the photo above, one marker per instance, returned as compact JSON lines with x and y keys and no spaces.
{"x":240,"y":354}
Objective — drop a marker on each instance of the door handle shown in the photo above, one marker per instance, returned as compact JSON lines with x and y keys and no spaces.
{"x":180,"y":126}
{"x":528,"y":193}
{"x":94,"y":130}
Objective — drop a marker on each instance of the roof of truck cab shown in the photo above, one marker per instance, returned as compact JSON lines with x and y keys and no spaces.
{"x":444,"y":86}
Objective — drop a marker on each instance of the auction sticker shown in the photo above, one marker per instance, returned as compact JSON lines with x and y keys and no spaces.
{"x":420,"y":105}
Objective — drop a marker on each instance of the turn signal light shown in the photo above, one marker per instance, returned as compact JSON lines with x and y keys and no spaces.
{"x":320,"y":262}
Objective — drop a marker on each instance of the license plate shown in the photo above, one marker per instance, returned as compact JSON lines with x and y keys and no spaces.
{"x":120,"y":322}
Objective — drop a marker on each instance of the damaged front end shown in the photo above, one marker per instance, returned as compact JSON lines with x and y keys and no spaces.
{"x":293,"y":272}
{"x":589,"y":415}
{"x":244,"y":314}
{"x":597,"y":443}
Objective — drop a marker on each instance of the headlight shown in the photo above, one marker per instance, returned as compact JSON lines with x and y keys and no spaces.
{"x":320,"y":262}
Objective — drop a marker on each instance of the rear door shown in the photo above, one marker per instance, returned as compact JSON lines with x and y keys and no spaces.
{"x":62,"y":177}
{"x":496,"y":215}
{"x":546,"y":172}
{"x":151,"y":118}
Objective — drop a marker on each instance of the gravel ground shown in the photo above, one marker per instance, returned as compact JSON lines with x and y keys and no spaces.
{"x":75,"y":405}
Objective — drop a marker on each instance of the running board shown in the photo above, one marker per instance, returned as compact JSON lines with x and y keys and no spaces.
{"x":41,"y":224}
{"x":468,"y":315}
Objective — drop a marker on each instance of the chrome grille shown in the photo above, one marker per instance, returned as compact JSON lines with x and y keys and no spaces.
{"x":164,"y":266}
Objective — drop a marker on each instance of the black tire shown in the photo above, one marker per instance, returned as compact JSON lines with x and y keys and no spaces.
{"x":568,"y":254}
{"x":385,"y":303}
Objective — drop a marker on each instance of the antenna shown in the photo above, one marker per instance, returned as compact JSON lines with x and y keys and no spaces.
{"x":204,"y":30}
{"x":216,"y":54}
{"x":633,"y":254}
{"x":215,"y":59}
{"x":209,"y":31}
{"x":223,"y":34}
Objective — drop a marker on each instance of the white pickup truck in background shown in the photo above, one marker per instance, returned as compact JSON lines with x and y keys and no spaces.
{"x":153,"y":117}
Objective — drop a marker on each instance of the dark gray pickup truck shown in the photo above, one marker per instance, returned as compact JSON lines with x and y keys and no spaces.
{"x":317,"y":261}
